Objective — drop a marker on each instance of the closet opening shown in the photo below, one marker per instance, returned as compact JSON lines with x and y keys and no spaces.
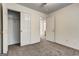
{"x":13,"y":27}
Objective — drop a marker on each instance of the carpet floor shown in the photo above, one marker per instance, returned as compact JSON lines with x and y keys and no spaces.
{"x":44,"y":48}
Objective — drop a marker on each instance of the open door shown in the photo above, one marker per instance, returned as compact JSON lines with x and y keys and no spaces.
{"x":50,"y":30}
{"x":25,"y":29}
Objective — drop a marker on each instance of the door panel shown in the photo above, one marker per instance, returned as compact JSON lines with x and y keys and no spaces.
{"x":50,"y":28}
{"x":25,"y":29}
{"x":67,"y":26}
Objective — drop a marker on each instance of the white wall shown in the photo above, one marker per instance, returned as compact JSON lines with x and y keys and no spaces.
{"x":67,"y":26}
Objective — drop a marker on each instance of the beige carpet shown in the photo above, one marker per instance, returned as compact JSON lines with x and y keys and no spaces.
{"x":44,"y":48}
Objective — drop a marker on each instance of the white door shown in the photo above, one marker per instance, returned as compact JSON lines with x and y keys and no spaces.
{"x":25,"y":29}
{"x":67,"y":26}
{"x":50,"y":28}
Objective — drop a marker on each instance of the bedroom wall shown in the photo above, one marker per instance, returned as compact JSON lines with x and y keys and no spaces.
{"x":67,"y":26}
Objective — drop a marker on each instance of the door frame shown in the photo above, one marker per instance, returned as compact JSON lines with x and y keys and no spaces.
{"x":5,"y":27}
{"x":19,"y":23}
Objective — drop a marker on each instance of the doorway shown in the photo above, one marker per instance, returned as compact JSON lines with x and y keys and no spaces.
{"x":42,"y":28}
{"x":13,"y":27}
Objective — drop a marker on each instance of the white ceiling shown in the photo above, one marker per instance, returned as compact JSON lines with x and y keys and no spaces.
{"x":48,"y":8}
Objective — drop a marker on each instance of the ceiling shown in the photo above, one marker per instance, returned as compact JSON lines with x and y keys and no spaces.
{"x":47,"y":8}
